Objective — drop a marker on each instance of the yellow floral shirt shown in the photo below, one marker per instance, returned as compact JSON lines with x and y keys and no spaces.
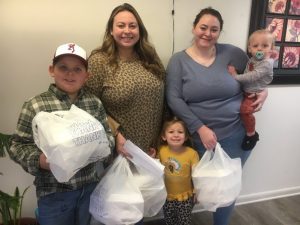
{"x":178,"y":172}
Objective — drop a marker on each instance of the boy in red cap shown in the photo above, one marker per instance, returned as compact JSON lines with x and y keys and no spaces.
{"x":68,"y":202}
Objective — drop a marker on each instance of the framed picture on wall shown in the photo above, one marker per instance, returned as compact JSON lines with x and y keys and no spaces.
{"x":282,"y":18}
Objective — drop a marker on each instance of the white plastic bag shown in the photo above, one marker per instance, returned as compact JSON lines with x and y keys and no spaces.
{"x":117,"y":200}
{"x":153,"y":191}
{"x":217,"y":179}
{"x":141,"y":159}
{"x":70,"y":140}
{"x":149,"y":177}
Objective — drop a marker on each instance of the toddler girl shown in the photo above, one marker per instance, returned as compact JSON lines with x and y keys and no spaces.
{"x":178,"y":160}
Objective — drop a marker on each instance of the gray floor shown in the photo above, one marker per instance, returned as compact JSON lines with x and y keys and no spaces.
{"x":281,"y":211}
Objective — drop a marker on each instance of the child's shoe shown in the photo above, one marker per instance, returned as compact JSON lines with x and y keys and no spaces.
{"x":249,"y":142}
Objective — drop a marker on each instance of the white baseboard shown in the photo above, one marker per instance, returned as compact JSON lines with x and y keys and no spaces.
{"x":268,"y":195}
{"x":250,"y":198}
{"x":262,"y":196}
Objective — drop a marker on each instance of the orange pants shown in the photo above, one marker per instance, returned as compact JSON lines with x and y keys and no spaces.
{"x":247,"y":113}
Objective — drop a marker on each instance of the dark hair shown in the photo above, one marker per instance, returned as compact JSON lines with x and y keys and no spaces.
{"x":170,"y":122}
{"x":145,"y":51}
{"x":210,"y":11}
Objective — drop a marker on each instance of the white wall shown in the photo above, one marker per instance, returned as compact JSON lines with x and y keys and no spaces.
{"x":31,"y":30}
{"x":236,"y":21}
{"x":273,"y":168}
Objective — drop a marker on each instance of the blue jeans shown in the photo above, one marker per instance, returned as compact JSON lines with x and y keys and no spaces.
{"x":63,"y":208}
{"x":141,"y":222}
{"x":232,"y":146}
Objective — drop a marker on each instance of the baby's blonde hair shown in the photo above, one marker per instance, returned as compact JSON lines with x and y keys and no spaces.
{"x":265,"y":32}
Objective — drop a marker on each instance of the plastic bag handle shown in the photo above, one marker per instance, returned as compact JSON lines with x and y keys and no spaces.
{"x":121,"y":165}
{"x":207,"y":156}
{"x":220,"y":152}
{"x":217,"y":154}
{"x":221,"y":156}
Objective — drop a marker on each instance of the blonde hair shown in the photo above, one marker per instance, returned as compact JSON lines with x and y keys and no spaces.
{"x":144,"y":49}
{"x":265,"y":32}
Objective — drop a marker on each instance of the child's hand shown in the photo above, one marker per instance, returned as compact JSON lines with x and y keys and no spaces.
{"x":231,"y":69}
{"x":43,"y":162}
{"x":152,"y":152}
{"x":195,"y":201}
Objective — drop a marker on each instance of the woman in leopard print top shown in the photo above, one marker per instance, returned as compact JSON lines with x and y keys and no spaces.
{"x":128,"y":77}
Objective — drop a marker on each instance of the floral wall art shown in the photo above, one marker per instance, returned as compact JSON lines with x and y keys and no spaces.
{"x":282,"y":19}
{"x":276,"y":6}
{"x":293,"y":31}
{"x":295,"y":7}
{"x":290,"y":57}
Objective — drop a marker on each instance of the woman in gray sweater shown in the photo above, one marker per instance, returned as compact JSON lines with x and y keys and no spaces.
{"x":201,"y":92}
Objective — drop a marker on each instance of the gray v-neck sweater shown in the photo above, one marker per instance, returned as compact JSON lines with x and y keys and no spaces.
{"x":208,"y":96}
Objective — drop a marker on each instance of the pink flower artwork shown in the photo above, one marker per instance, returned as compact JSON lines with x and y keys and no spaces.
{"x":275,"y":55}
{"x":293,"y":31}
{"x":275,"y":26}
{"x":291,"y":57}
{"x":277,"y":6}
{"x":295,"y":7}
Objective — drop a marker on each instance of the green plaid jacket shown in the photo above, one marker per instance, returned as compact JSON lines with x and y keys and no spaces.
{"x":24,"y":151}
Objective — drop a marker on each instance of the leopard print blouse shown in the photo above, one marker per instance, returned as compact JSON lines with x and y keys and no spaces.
{"x":131,"y":95}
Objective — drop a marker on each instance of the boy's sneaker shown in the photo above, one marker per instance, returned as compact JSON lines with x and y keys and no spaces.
{"x":249,"y":142}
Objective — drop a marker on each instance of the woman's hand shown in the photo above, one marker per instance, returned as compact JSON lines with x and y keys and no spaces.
{"x":208,"y":137}
{"x":120,"y":141}
{"x":43,"y":162}
{"x":260,"y":99}
{"x":152,"y":152}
